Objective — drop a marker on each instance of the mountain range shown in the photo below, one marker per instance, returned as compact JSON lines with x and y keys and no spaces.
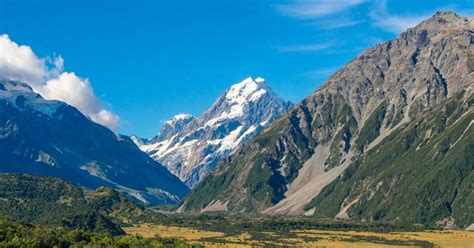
{"x":388,"y":137}
{"x":44,"y":137}
{"x":191,"y":146}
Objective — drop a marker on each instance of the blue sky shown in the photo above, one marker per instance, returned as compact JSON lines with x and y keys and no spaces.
{"x":149,"y":60}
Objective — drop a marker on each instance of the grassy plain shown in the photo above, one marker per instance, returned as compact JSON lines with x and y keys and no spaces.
{"x":308,"y":238}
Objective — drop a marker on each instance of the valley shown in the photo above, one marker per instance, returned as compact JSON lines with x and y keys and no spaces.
{"x":246,"y":237}
{"x":388,"y":137}
{"x":67,"y":214}
{"x":381,"y":154}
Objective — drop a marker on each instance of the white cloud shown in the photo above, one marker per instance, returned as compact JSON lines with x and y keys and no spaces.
{"x":47,"y":77}
{"x":394,"y":23}
{"x":311,"y":9}
{"x":19,"y":62}
{"x":334,"y":23}
{"x":78,"y":92}
{"x":306,"y":48}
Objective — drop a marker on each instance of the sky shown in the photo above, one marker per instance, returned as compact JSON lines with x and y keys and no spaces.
{"x":131,"y":65}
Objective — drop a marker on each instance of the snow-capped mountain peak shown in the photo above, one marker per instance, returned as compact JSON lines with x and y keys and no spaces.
{"x":191,"y":146}
{"x":247,"y":90}
{"x":238,"y":100}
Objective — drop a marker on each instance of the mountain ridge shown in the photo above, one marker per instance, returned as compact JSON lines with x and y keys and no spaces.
{"x":374,"y":96}
{"x":44,"y":137}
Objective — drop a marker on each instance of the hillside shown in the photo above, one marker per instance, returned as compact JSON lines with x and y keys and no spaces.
{"x":422,"y":173}
{"x":21,"y":234}
{"x":52,"y":202}
{"x":51,"y":138}
{"x":375,"y":129}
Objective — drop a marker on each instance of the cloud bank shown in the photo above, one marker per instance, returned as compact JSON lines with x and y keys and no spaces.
{"x":47,"y":77}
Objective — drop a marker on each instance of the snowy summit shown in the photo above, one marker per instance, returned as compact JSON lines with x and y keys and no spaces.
{"x":191,"y":146}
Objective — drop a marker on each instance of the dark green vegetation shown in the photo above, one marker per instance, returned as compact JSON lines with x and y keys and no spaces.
{"x":421,"y":173}
{"x":371,"y":129}
{"x":52,"y":202}
{"x":238,"y":223}
{"x":21,"y":234}
{"x":66,"y":216}
{"x":63,"y":215}
{"x":266,"y":228}
{"x":341,"y":141}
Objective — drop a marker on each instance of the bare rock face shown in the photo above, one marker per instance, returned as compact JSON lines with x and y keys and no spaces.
{"x":374,"y":97}
{"x":191,"y":146}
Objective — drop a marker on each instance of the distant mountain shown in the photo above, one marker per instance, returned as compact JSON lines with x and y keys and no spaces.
{"x":191,"y":146}
{"x":51,"y":138}
{"x":388,"y":137}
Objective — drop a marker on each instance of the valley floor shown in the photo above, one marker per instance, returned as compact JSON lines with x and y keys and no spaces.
{"x":307,"y":238}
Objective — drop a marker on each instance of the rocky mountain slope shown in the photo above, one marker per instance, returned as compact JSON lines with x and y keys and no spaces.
{"x":191,"y":146}
{"x":387,"y":137}
{"x":51,"y":138}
